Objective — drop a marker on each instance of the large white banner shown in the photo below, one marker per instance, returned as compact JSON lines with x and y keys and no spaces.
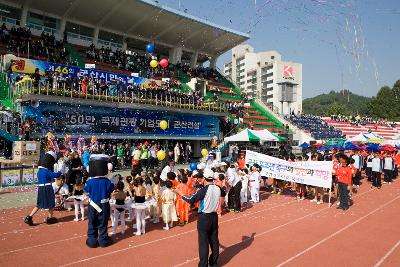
{"x":316,"y":173}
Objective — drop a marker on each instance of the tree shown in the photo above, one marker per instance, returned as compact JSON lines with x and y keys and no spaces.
{"x":337,"y":109}
{"x":384,"y":105}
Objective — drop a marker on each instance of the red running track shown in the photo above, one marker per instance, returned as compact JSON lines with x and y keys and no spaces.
{"x":279,"y":231}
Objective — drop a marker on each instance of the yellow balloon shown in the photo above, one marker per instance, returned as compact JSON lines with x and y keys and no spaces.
{"x":204,"y":152}
{"x":154,"y":63}
{"x":163,"y":124}
{"x":161,"y":155}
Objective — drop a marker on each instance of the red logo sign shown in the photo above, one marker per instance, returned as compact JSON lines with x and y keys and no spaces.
{"x":288,"y":71}
{"x":18,"y":64}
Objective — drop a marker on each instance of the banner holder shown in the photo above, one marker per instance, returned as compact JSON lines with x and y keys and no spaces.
{"x":330,"y":195}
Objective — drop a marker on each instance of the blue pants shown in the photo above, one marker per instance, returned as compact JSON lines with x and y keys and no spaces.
{"x":97,"y":225}
{"x":343,"y":195}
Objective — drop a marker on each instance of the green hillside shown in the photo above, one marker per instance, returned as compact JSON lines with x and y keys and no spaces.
{"x":343,"y":102}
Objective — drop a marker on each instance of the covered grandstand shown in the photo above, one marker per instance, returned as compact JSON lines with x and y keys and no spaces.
{"x":175,"y":34}
{"x":199,"y":102}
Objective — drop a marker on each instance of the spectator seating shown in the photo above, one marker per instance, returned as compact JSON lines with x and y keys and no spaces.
{"x":315,"y":126}
{"x":351,"y":129}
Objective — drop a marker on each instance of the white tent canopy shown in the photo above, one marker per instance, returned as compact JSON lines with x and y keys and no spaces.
{"x":248,"y":135}
{"x":266,"y":135}
{"x":364,"y":137}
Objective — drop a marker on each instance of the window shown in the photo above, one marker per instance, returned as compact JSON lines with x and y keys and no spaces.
{"x":10,"y":12}
{"x":272,"y":57}
{"x":79,"y":29}
{"x":41,"y":20}
{"x":111,"y":37}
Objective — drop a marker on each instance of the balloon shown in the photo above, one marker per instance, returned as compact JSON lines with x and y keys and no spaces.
{"x":193,"y":166}
{"x":161,"y":155}
{"x":150,"y":48}
{"x":163,"y":124}
{"x":154,"y":63}
{"x":204,"y":152}
{"x":164,"y":62}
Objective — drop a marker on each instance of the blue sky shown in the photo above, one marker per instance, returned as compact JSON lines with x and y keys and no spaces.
{"x":350,"y":44}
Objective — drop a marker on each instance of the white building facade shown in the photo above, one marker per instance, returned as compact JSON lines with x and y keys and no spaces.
{"x":264,"y":76}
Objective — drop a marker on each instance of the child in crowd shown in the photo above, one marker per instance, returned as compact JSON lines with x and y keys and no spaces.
{"x":344,"y":175}
{"x":171,"y":176}
{"x":119,"y":208}
{"x":245,"y":185}
{"x":128,"y":189}
{"x":301,"y":188}
{"x":140,"y":198}
{"x":368,"y":170}
{"x":388,"y":169}
{"x":168,"y":198}
{"x":61,"y":192}
{"x":155,"y":208}
{"x":182,"y":207}
{"x":78,"y":199}
{"x":376,"y":170}
{"x":222,"y":184}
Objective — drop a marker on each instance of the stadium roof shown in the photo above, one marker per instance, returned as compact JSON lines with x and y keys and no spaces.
{"x":143,"y":20}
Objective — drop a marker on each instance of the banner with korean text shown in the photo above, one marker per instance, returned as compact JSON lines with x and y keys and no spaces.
{"x":315,"y":173}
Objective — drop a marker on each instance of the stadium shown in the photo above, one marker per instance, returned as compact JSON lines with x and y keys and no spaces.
{"x":138,"y":82}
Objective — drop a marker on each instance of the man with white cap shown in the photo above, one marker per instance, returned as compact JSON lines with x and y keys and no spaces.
{"x":99,"y":188}
{"x":207,"y":223}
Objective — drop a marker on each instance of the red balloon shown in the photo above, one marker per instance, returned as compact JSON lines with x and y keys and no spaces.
{"x":164,"y":62}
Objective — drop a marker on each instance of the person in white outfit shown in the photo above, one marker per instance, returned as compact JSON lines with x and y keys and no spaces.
{"x":119,"y":208}
{"x":254,"y":183}
{"x":245,"y":185}
{"x":235,"y":181}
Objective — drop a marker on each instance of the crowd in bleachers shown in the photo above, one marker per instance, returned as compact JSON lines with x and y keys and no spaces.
{"x":163,"y":90}
{"x":133,"y":62}
{"x":315,"y":125}
{"x":20,"y":41}
{"x":363,"y":121}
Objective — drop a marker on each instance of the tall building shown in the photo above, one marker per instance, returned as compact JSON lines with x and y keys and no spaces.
{"x":264,"y":76}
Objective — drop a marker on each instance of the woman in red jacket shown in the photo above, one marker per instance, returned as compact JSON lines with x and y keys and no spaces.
{"x":344,"y":175}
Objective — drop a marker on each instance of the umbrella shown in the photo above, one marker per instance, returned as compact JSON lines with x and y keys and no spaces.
{"x":322,"y":148}
{"x":317,"y":144}
{"x":350,"y":146}
{"x":304,"y":145}
{"x":388,"y":148}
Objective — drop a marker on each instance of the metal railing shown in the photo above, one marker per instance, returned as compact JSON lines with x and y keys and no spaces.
{"x":26,"y":87}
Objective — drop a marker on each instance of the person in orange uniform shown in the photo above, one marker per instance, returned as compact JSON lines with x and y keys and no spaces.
{"x":344,"y":175}
{"x":182,"y":207}
{"x":397,"y":164}
{"x":241,"y":162}
{"x":220,"y":181}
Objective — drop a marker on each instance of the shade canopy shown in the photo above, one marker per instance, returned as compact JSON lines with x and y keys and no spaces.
{"x":248,"y":135}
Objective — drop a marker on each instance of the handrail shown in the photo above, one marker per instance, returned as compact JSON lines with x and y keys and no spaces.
{"x":26,"y":87}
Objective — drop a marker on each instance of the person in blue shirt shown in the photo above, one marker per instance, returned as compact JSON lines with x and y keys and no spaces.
{"x":85,"y":157}
{"x":207,"y":223}
{"x":45,"y":196}
{"x":99,"y":188}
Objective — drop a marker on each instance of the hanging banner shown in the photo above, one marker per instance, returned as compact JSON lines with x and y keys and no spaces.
{"x":315,"y":173}
{"x":28,"y":66}
{"x":102,"y":121}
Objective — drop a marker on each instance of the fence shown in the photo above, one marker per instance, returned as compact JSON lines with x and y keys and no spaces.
{"x":25,"y":87}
